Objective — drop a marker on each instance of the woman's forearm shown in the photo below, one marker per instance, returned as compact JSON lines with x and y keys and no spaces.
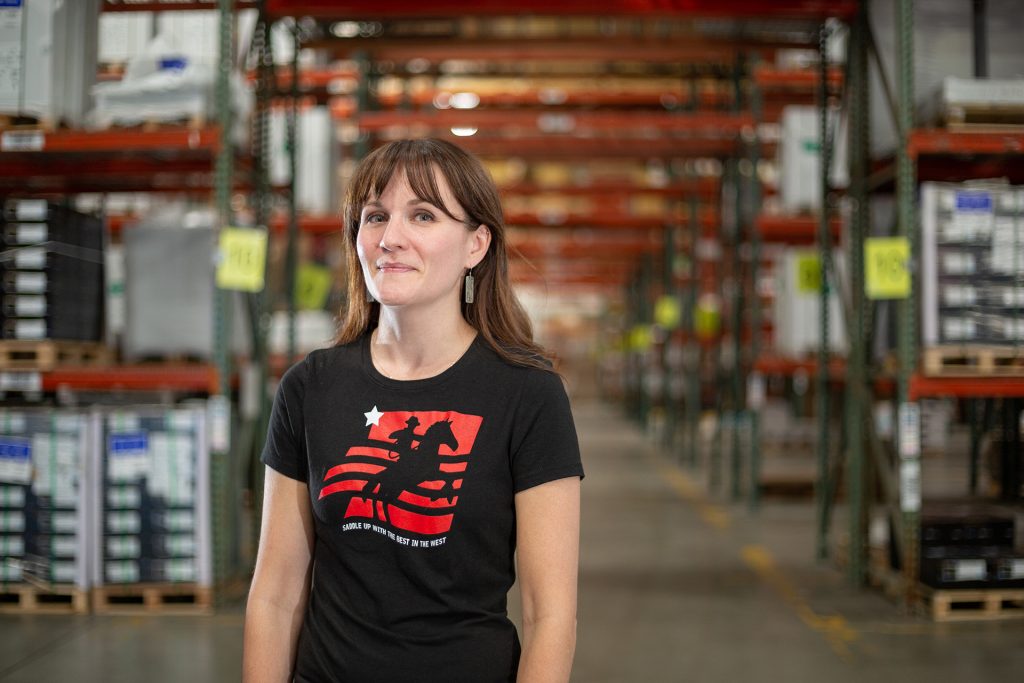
{"x":548,"y":648}
{"x":271,"y":640}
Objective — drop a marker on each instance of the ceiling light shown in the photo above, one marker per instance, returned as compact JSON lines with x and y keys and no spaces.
{"x":465,"y":100}
{"x":464,"y":131}
{"x":345,"y":29}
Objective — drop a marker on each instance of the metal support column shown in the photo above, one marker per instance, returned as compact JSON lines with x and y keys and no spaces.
{"x":756,"y":326}
{"x":668,"y":289}
{"x":220,"y":466}
{"x":738,"y":305}
{"x":253,"y":431}
{"x":694,"y":354}
{"x":291,"y":252}
{"x":856,"y":381}
{"x":823,"y":489}
{"x":909,"y":462}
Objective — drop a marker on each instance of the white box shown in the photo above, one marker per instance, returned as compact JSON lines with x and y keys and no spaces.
{"x":799,"y":157}
{"x":165,"y":452}
{"x":316,"y":162}
{"x":797,"y":314}
{"x":48,"y":58}
{"x":47,"y":507}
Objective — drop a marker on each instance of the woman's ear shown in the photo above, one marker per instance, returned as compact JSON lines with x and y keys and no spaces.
{"x":480,"y":241}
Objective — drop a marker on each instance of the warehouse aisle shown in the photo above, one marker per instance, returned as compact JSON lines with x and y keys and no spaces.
{"x":674,"y":586}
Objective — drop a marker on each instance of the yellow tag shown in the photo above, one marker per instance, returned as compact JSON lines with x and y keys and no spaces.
{"x":243,"y":255}
{"x":640,"y":338}
{"x":707,"y":321}
{"x":667,"y":313}
{"x":312,"y":286}
{"x":808,"y":273}
{"x":886,"y":268}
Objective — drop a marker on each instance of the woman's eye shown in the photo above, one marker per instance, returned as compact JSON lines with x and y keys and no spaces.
{"x":374,"y":218}
{"x":424,"y":216}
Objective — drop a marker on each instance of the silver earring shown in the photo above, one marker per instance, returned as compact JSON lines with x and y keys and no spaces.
{"x":468,"y":289}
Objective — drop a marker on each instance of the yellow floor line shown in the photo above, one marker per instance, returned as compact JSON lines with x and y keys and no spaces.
{"x":835,"y":629}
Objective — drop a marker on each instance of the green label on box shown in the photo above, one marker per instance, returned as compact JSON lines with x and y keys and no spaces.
{"x":808,"y":273}
{"x":312,"y":286}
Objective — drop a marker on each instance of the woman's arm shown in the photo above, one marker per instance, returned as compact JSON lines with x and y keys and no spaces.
{"x":280,"y":584}
{"x":548,"y":539}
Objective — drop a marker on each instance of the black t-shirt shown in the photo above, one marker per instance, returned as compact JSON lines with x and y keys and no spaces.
{"x":412,"y":486}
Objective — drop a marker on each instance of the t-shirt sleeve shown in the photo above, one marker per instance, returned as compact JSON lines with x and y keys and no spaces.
{"x":544,"y":442}
{"x":285,"y":449}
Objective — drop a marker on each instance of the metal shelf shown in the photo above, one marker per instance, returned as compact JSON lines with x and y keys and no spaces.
{"x":366,"y":9}
{"x":170,"y":5}
{"x":965,"y":387}
{"x":794,"y":230}
{"x":714,"y":126}
{"x":195,"y":378}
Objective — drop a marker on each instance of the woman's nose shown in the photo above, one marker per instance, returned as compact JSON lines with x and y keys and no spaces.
{"x":392,"y":238}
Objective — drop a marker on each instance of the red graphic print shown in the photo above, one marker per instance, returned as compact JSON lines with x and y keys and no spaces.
{"x":408,"y":473}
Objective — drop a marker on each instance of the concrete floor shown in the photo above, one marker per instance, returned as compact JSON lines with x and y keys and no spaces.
{"x":674,"y":586}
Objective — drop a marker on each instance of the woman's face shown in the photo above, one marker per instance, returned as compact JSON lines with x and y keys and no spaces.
{"x":411,"y":252}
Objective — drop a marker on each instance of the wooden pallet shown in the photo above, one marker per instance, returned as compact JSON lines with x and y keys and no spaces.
{"x":973,"y":361}
{"x":983,"y":604}
{"x":13,"y":122}
{"x":979,"y":116}
{"x":153,"y":598}
{"x":56,"y":599}
{"x":48,"y":354}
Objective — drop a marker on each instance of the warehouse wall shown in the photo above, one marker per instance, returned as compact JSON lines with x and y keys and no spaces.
{"x":943,"y":46}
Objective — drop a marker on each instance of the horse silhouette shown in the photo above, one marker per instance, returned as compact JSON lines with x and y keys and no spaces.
{"x":414,"y":465}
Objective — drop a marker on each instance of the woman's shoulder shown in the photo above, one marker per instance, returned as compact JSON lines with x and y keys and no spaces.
{"x":528,"y":368}
{"x":323,"y":362}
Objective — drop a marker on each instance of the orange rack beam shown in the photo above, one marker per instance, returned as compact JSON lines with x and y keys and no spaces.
{"x":715,"y":125}
{"x":128,"y":140}
{"x":198,"y":378}
{"x":937,"y":141}
{"x":965,"y":387}
{"x":793,"y":229}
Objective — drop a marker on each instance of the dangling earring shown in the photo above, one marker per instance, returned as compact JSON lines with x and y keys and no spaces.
{"x":468,"y":289}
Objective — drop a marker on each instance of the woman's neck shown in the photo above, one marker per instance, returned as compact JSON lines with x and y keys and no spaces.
{"x":406,"y":347}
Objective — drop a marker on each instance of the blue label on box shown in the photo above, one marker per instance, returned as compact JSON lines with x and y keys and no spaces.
{"x":973,"y":201}
{"x":128,"y":444}
{"x":10,"y":3}
{"x":15,"y":449}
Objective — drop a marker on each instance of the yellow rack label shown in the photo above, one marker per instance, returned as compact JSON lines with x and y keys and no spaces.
{"x":243,"y":255}
{"x":886,"y":265}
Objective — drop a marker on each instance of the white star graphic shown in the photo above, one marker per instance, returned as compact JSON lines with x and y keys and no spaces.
{"x":373,"y":417}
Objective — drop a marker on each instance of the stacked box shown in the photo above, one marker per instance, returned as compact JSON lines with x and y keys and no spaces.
{"x":152,"y":510}
{"x":796,"y":309}
{"x":169,"y":290}
{"x":799,"y":157}
{"x":48,"y":58}
{"x":44,"y":486}
{"x":51,"y":272}
{"x":967,"y":546}
{"x":972,"y":264}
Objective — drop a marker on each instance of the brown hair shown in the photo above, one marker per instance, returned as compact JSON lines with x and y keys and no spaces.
{"x":496,"y":313}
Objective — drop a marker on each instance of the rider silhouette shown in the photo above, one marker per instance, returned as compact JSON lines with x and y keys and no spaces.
{"x":403,"y":438}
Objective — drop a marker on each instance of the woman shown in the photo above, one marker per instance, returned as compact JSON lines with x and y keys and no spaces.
{"x":408,"y":463}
